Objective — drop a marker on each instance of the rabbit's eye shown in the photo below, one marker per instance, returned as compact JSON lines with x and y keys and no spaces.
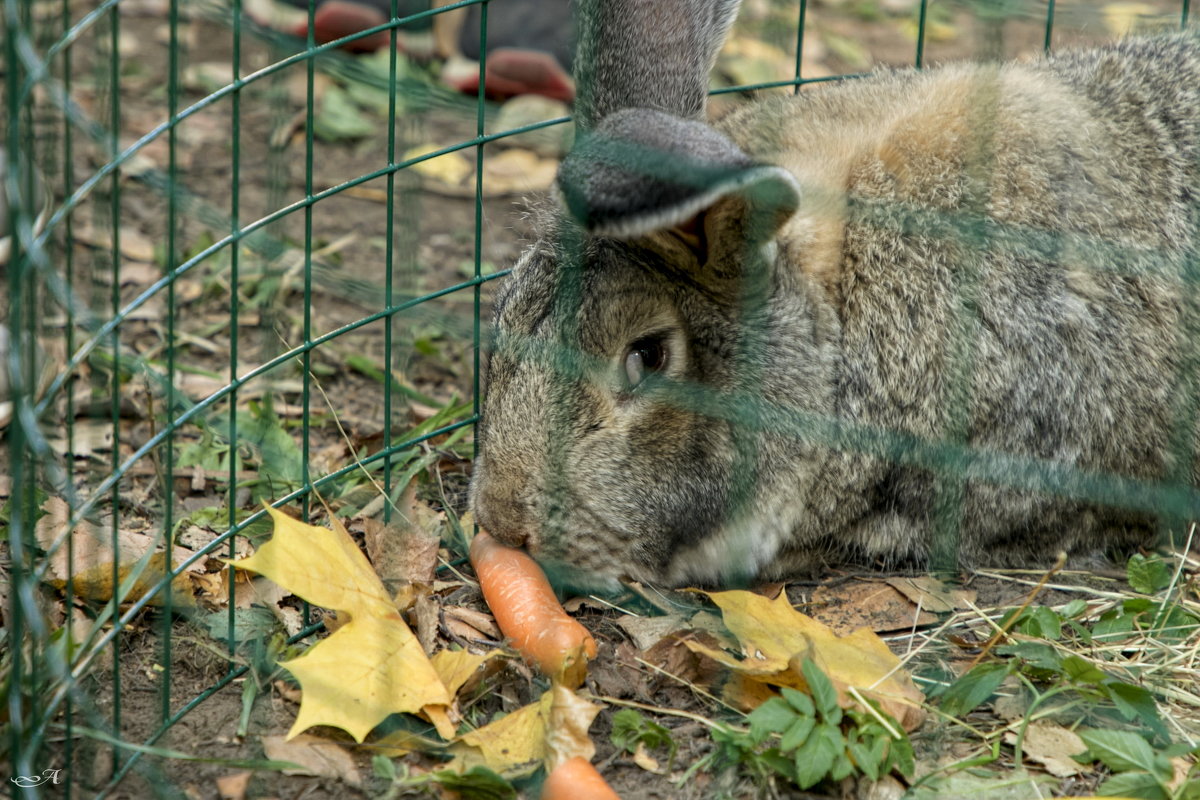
{"x":645,"y":356}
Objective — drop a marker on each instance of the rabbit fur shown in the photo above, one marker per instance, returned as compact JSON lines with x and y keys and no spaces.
{"x":732,"y":349}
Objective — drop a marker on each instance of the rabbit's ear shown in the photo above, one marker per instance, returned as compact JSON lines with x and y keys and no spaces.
{"x":647,"y":54}
{"x":642,"y":171}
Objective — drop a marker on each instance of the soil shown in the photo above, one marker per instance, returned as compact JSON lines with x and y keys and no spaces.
{"x":435,"y":248}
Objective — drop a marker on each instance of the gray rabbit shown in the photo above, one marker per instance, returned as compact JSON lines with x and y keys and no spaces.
{"x":738,"y":351}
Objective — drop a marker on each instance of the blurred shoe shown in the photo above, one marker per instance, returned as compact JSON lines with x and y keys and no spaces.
{"x":530,"y":48}
{"x":512,"y":72}
{"x":334,"y":19}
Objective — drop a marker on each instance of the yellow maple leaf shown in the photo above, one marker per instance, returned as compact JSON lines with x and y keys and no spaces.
{"x":776,"y":638}
{"x":516,"y":740}
{"x":456,"y":667}
{"x":370,"y":667}
{"x":546,"y":732}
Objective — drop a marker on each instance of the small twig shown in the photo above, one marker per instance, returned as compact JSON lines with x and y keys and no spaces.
{"x":1003,"y":631}
{"x":688,"y":684}
{"x":670,"y":712}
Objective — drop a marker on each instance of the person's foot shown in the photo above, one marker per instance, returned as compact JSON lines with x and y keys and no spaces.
{"x":334,"y":19}
{"x":511,"y":72}
{"x":529,"y":48}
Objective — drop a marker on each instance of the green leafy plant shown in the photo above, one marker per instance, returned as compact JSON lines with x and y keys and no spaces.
{"x":631,"y":729}
{"x":808,"y":738}
{"x":1138,"y":769}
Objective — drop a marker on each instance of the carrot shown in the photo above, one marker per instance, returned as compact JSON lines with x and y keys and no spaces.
{"x":528,"y":613}
{"x":576,"y":779}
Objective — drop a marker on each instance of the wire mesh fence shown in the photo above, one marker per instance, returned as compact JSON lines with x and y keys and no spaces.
{"x":220,"y":294}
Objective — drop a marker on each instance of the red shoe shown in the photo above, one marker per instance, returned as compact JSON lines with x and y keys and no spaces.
{"x":337,"y":18}
{"x":511,"y":72}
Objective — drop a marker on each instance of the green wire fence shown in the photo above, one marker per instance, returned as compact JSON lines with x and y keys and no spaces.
{"x":86,"y":340}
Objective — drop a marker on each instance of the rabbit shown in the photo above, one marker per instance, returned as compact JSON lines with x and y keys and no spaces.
{"x":733,"y":350}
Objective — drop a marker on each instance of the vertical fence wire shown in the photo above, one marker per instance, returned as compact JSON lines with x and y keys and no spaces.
{"x":114,"y":86}
{"x":235,"y":250}
{"x":477,"y":254}
{"x":389,"y":260}
{"x":68,"y":262}
{"x":169,"y":264}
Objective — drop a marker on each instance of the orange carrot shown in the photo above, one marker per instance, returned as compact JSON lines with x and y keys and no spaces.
{"x":528,"y":613}
{"x":576,"y":779}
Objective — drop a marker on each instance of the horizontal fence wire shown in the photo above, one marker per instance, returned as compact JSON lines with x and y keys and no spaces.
{"x":49,"y":695}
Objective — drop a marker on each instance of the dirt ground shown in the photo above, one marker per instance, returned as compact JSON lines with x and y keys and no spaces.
{"x":434,"y":248}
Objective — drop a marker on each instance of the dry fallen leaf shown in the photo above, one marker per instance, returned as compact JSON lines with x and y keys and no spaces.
{"x":1052,"y":746}
{"x":649,"y":631}
{"x":132,"y":243}
{"x":470,"y":624}
{"x":866,"y":604}
{"x":645,"y":760}
{"x":233,"y":786}
{"x":451,"y":168}
{"x":931,"y":594}
{"x":88,"y":437}
{"x":369,"y":668}
{"x":517,"y":171}
{"x":515,"y":742}
{"x":567,"y":732}
{"x":775,"y":639}
{"x":314,"y":756}
{"x":88,"y":560}
{"x":407,"y":548}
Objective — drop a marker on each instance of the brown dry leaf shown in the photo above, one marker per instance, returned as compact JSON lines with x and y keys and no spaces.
{"x":516,"y":741}
{"x":255,"y":590}
{"x":133,"y":244}
{"x":405,"y":549}
{"x":233,"y":787}
{"x":775,"y":639}
{"x":132,"y":273}
{"x":88,"y":561}
{"x":369,"y":668}
{"x":1052,"y":746}
{"x":450,"y":169}
{"x":649,"y":631}
{"x":288,"y":692}
{"x":89,"y":437}
{"x":931,"y":594}
{"x":1183,"y":767}
{"x":426,"y":611}
{"x":567,"y":732}
{"x":209,"y":589}
{"x":645,"y":760}
{"x":673,"y":656}
{"x":1011,"y":707}
{"x":471,"y":624}
{"x":515,"y":171}
{"x":313,"y":756}
{"x":865,"y":604}
{"x":745,"y":693}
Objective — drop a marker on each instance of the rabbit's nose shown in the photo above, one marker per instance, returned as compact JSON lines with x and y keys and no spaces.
{"x":506,"y":518}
